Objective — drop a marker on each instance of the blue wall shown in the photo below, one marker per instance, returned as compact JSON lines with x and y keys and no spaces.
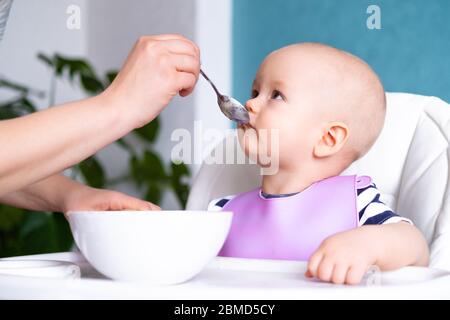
{"x":411,"y":52}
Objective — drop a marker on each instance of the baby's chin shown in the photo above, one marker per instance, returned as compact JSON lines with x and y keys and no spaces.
{"x":248,"y":140}
{"x":251,"y":145}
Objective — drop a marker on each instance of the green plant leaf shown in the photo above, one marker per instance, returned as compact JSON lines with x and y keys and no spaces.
{"x":149,"y":132}
{"x":46,"y":59}
{"x":75,"y":67}
{"x":151,"y":167}
{"x":63,"y":232}
{"x":44,"y":232}
{"x":110,"y":76}
{"x":32,"y":221}
{"x":181,"y":189}
{"x":20,"y":88}
{"x":125,"y":145}
{"x":147,"y":170}
{"x":10,"y":110}
{"x":59,"y":64}
{"x":81,"y":67}
{"x":14,"y":86}
{"x":135,"y":165}
{"x":179,"y":170}
{"x":10,"y":245}
{"x":92,"y":172}
{"x":10,"y":217}
{"x":154,"y":193}
{"x":16,"y":108}
{"x":28,"y":106}
{"x":90,"y":84}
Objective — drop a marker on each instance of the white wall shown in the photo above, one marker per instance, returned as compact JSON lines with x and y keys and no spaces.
{"x":113,"y":28}
{"x":108,"y":30}
{"x":40,"y":26}
{"x":213,"y":36}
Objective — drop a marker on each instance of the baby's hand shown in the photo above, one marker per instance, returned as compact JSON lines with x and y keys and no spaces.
{"x":91,"y":199}
{"x":344,"y":257}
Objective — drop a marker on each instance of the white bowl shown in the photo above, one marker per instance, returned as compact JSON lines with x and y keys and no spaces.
{"x":158,"y":247}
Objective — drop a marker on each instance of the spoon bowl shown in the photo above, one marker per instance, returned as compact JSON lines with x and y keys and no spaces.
{"x":229,"y":106}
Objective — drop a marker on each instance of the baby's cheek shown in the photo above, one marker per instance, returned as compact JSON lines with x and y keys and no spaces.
{"x":286,"y":152}
{"x":292,"y":147}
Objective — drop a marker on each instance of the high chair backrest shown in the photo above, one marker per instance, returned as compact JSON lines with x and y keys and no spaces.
{"x":409,"y":163}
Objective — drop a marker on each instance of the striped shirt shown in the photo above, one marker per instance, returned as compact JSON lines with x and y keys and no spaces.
{"x":371,"y":210}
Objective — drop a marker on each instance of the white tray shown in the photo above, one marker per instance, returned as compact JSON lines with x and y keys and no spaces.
{"x":224,"y":278}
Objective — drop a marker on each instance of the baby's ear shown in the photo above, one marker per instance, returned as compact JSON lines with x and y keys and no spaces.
{"x":333,"y":138}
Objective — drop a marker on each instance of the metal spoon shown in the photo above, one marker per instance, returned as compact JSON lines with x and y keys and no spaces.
{"x":229,"y":106}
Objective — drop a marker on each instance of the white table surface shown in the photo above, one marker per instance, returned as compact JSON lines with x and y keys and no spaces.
{"x":227,"y":278}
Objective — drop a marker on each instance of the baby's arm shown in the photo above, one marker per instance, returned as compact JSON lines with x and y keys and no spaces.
{"x":345,"y":257}
{"x":383,"y":238}
{"x":400,"y":244}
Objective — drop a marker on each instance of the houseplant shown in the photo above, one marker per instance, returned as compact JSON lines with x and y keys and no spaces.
{"x":27,"y":232}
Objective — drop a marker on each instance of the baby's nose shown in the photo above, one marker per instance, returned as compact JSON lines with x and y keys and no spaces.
{"x":251,"y":106}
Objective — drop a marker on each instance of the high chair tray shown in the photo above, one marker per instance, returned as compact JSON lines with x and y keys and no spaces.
{"x":55,"y":276}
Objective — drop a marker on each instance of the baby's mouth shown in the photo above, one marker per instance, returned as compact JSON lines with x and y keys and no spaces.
{"x":246,"y":126}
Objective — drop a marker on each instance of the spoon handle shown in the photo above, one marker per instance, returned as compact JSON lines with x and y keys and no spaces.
{"x":219,"y":95}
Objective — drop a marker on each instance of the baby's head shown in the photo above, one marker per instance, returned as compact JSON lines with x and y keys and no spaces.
{"x":328,"y":106}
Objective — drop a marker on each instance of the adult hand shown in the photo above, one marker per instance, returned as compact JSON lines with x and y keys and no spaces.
{"x":60,"y":194}
{"x":91,"y":199}
{"x":157,"y":69}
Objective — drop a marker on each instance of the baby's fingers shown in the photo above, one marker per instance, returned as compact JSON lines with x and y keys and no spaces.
{"x":313,"y":264}
{"x":325,"y":270}
{"x":355,"y":274}
{"x":339,"y":273}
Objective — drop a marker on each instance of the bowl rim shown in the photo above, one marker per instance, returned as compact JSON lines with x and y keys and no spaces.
{"x":146,"y":212}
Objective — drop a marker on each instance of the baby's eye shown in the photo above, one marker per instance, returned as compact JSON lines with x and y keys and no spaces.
{"x":277,"y":95}
{"x":254,"y":94}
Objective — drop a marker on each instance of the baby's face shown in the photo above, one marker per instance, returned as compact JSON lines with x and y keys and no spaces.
{"x":283,"y":102}
{"x":310,"y":102}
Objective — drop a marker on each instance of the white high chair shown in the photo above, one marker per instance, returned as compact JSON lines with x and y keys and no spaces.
{"x":409,"y":163}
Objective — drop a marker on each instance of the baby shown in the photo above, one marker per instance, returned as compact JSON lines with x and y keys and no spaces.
{"x":327,"y":107}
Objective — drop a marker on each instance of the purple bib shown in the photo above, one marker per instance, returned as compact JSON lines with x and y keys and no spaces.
{"x":293,"y":227}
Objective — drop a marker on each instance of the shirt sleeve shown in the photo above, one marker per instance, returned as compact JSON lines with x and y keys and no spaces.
{"x":219,"y":203}
{"x":372,"y":210}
